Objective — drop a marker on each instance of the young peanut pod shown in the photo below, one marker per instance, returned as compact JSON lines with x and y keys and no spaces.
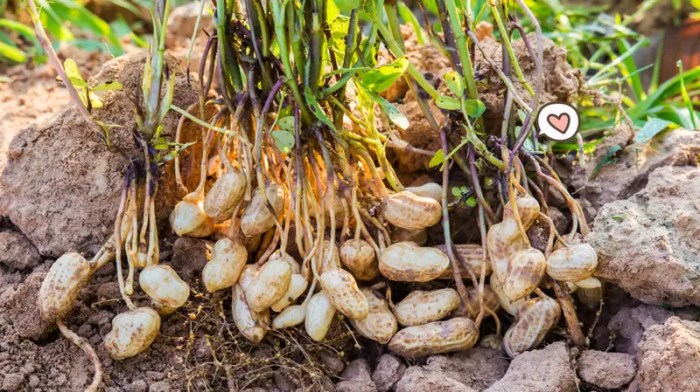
{"x":132,"y":333}
{"x":573,"y":263}
{"x":590,"y":292}
{"x":164,"y":286}
{"x":502,"y":240}
{"x":409,"y":211}
{"x":380,"y":324}
{"x":512,"y":307}
{"x":343,"y":292}
{"x":225,"y":266}
{"x":252,"y":325}
{"x":297,"y":287}
{"x":269,"y":285}
{"x":319,"y":316}
{"x":525,"y":271}
{"x":528,"y":210}
{"x":61,"y":286}
{"x":408,"y":262}
{"x":457,"y":334}
{"x":188,"y":218}
{"x":532,"y":325}
{"x":421,"y":307}
{"x":419,"y":236}
{"x":472,"y":255}
{"x":358,"y":256}
{"x":225,"y":195}
{"x":257,"y":217}
{"x":431,"y":190}
{"x":290,"y":317}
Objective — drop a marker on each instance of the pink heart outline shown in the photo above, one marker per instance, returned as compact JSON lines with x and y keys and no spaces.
{"x":559,"y":122}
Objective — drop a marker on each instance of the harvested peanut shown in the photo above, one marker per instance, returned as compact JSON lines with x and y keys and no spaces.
{"x":419,"y":236}
{"x":408,"y":262}
{"x":421,"y":307}
{"x":269,"y":285}
{"x":290,"y":317}
{"x":528,"y":210}
{"x":590,"y":292}
{"x":512,"y":307}
{"x":358,"y":256}
{"x":319,"y":316}
{"x":380,"y":324}
{"x":502,"y":240}
{"x":409,"y":211}
{"x":490,"y":301}
{"x":472,"y":255}
{"x":532,"y":325}
{"x":226,"y":265}
{"x":257,"y":217}
{"x":61,"y":286}
{"x":132,"y":332}
{"x":343,"y":292}
{"x":297,"y":287}
{"x":573,"y":263}
{"x":252,"y":325}
{"x":525,"y":270}
{"x":438,"y":337}
{"x":188,"y":218}
{"x":225,"y":195}
{"x":164,"y":286}
{"x":327,"y":263}
{"x":431,"y":190}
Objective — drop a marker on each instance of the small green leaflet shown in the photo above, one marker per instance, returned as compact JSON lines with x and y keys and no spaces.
{"x":608,"y":159}
{"x":73,"y":73}
{"x":458,"y":191}
{"x":474,"y":107}
{"x":316,"y":108}
{"x":12,"y":53}
{"x":284,"y":140}
{"x":286,"y":123}
{"x":651,"y":129}
{"x":447,"y":103}
{"x":471,"y":201}
{"x":394,"y":114}
{"x":437,"y":159}
{"x":454,"y":83}
{"x":381,"y":78}
{"x":108,"y":86}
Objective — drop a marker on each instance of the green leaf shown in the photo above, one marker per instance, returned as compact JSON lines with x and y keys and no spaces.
{"x":608,"y":159}
{"x":437,"y":159}
{"x":286,"y":123}
{"x":651,"y":129}
{"x":284,"y":140}
{"x":347,"y":5}
{"x":447,"y":103}
{"x":391,"y":111}
{"x":454,"y":82}
{"x":456,"y":191}
{"x":474,"y":107}
{"x":381,"y":78}
{"x":12,"y":53}
{"x":108,"y":86}
{"x":471,"y":201}
{"x":316,"y":108}
{"x":73,"y":73}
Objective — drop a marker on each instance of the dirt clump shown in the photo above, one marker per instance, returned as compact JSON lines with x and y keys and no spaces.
{"x":19,"y":304}
{"x":388,"y":372}
{"x":477,"y":368}
{"x":16,"y":252}
{"x":417,"y":379}
{"x":648,"y":244}
{"x":356,"y":378}
{"x":606,"y":370}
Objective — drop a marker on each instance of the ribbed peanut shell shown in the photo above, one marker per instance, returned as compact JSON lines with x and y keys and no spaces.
{"x":571,"y":264}
{"x":188,"y":218}
{"x":252,"y":325}
{"x":319,"y":316}
{"x":419,"y":236}
{"x":472,"y":255}
{"x":431,"y":190}
{"x":297,"y":287}
{"x":512,"y":307}
{"x":525,"y":271}
{"x":490,"y":301}
{"x":286,"y":257}
{"x":290,"y":317}
{"x":408,"y":262}
{"x":132,"y":332}
{"x":502,"y":240}
{"x":380,"y":324}
{"x":257,"y":217}
{"x":532,"y":325}
{"x":358,"y":256}
{"x":250,"y":271}
{"x":164,"y":286}
{"x":528,"y":210}
{"x":409,"y":211}
{"x":457,"y":334}
{"x":61,"y":286}
{"x":421,"y":307}
{"x":269,"y":285}
{"x":224,"y":195}
{"x":346,"y":297}
{"x":225,"y":266}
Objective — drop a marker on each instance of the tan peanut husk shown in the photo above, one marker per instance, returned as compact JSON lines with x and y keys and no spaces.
{"x":490,"y":301}
{"x":225,"y":267}
{"x":188,"y":218}
{"x":224,"y":195}
{"x":326,"y":263}
{"x":164,"y":286}
{"x":252,"y":325}
{"x":409,"y":211}
{"x":319,"y":316}
{"x":132,"y":333}
{"x":525,"y":271}
{"x":528,"y":210}
{"x":257,"y":217}
{"x":503,"y":239}
{"x":290,"y":317}
{"x":269,"y":285}
{"x":512,"y":307}
{"x":590,"y":292}
{"x":533,"y":323}
{"x":421,"y":307}
{"x":419,"y":236}
{"x":408,"y":262}
{"x":343,"y":292}
{"x":297,"y":287}
{"x":457,"y":334}
{"x":380,"y":324}
{"x":358,"y":256}
{"x":430,"y":190}
{"x":472,"y":255}
{"x":573,"y":263}
{"x":61,"y":286}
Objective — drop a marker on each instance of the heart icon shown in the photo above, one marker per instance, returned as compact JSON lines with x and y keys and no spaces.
{"x":560,"y":122}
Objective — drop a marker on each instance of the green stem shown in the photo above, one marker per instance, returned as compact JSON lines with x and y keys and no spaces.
{"x":509,"y":48}
{"x":462,"y":48}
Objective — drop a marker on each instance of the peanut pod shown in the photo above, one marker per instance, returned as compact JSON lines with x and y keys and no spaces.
{"x":225,"y":266}
{"x":533,"y":323}
{"x":421,"y":307}
{"x":472,"y":255}
{"x":269,"y":285}
{"x":502,"y":240}
{"x":225,"y":195}
{"x":188,"y":218}
{"x":252,"y":325}
{"x":408,"y":262}
{"x":380,"y":324}
{"x":132,"y":332}
{"x":343,"y":292}
{"x":457,"y":334}
{"x":528,"y":210}
{"x":297,"y":287}
{"x":61,"y":286}
{"x":257,"y":217}
{"x":525,"y":270}
{"x":409,"y":211}
{"x":319,"y":316}
{"x":290,"y":317}
{"x":512,"y":307}
{"x":358,"y":256}
{"x":164,"y":286}
{"x":430,"y":190}
{"x":573,"y":263}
